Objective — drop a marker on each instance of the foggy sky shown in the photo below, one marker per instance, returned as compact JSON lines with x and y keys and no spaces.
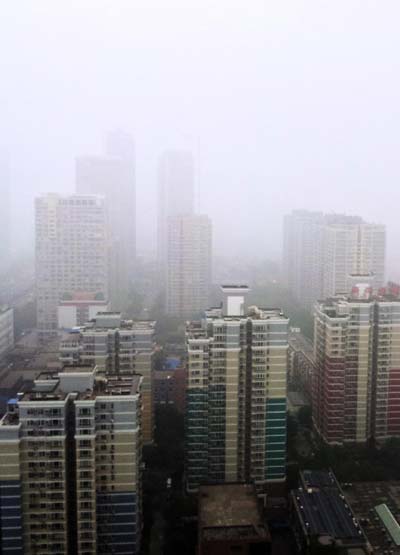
{"x":285,"y":104}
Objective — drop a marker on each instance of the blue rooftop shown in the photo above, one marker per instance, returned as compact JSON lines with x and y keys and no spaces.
{"x":172,"y":363}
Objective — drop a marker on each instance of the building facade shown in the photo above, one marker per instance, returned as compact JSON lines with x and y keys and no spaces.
{"x":356,"y":385}
{"x":236,"y":396}
{"x":116,"y":347}
{"x":71,"y":253}
{"x":322,"y":252}
{"x":189,"y":251}
{"x":322,"y":518}
{"x":6,"y":329}
{"x":70,"y":459}
{"x":79,"y":309}
{"x":231,"y":521}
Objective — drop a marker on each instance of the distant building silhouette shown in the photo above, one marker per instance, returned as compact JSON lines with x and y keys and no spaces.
{"x":175,"y":193}
{"x":113,"y":175}
{"x":321,"y":252}
{"x":189,"y":252}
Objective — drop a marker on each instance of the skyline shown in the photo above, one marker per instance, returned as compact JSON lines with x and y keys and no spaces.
{"x":278,"y":112}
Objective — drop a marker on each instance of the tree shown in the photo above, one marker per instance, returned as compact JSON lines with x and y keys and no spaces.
{"x":304,"y":416}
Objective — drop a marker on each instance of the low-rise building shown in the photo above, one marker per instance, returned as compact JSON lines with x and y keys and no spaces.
{"x":376,"y":506}
{"x":321,"y":516}
{"x":78,"y":309}
{"x":231,"y":521}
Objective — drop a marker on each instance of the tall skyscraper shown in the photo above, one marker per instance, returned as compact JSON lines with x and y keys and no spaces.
{"x":322,"y":252}
{"x":70,"y":466}
{"x":236,"y":396}
{"x":71,"y":253}
{"x":116,"y":347}
{"x":113,"y":176}
{"x":175,"y":193}
{"x":5,"y":211}
{"x":356,"y":384}
{"x":189,"y":244}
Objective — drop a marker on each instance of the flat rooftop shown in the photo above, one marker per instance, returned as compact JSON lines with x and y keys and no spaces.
{"x":324,"y":512}
{"x":364,"y":498}
{"x":113,"y":385}
{"x":230,"y":511}
{"x":235,"y":286}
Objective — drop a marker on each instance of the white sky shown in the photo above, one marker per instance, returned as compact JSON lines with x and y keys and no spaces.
{"x":286,"y":104}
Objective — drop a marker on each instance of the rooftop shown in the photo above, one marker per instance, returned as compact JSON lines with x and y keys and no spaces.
{"x":338,"y":306}
{"x":390,"y":523}
{"x":230,"y":511}
{"x":365,"y":498}
{"x":235,"y":287}
{"x":55,"y":386}
{"x":324,"y":512}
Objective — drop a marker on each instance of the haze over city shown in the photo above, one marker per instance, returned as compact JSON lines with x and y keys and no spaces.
{"x":284,"y":105}
{"x":199,"y":277}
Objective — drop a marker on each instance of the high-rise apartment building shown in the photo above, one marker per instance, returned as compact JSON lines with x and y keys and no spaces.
{"x":356,"y":383}
{"x":70,"y":466}
{"x":175,"y":193}
{"x":322,"y":252}
{"x":117,"y":347}
{"x":189,"y":243}
{"x":113,"y":176}
{"x":236,"y":396}
{"x":71,"y":253}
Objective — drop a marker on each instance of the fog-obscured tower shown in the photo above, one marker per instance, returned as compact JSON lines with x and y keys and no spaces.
{"x":71,"y":253}
{"x":176,"y":194}
{"x":352,"y":249}
{"x":302,"y":264}
{"x":321,"y":253}
{"x":189,"y":244}
{"x":113,"y":175}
